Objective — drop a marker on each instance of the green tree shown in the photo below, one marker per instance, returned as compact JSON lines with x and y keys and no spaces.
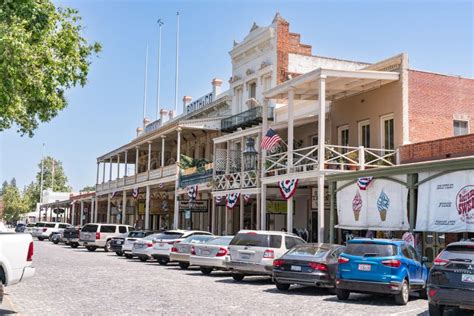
{"x":52,"y":166}
{"x":14,"y":205}
{"x":13,"y":182}
{"x":88,"y":188}
{"x":4,"y":186}
{"x":31,"y":196}
{"x":42,"y":53}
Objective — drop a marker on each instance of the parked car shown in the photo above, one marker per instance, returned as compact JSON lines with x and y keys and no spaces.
{"x":142,"y":247}
{"x":380,"y":266}
{"x":20,"y":227}
{"x":44,"y":230}
{"x":133,"y":236}
{"x":252,"y":251}
{"x":16,"y":257}
{"x":71,"y":236}
{"x":307,"y":264}
{"x":29,"y":228}
{"x":162,"y":247}
{"x":56,"y":237}
{"x":451,"y":279}
{"x":180,"y":252}
{"x":98,"y":235}
{"x":211,"y":255}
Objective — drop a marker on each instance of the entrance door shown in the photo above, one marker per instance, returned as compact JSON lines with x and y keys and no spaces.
{"x":433,"y":244}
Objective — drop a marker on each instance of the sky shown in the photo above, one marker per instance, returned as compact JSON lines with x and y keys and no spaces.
{"x":103,"y":115}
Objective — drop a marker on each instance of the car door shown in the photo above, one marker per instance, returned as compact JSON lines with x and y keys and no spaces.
{"x":417,"y":263}
{"x":409,"y":260}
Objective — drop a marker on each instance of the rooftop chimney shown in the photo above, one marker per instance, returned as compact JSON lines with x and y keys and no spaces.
{"x":171,"y":115}
{"x":163,"y":115}
{"x":216,"y":87}
{"x":186,"y":100}
{"x":139,"y":131}
{"x":145,"y":122}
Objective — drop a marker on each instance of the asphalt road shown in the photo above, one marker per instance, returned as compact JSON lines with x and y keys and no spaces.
{"x":74,"y":281}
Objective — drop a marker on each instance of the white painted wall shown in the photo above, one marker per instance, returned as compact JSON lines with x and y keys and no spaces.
{"x":303,"y":64}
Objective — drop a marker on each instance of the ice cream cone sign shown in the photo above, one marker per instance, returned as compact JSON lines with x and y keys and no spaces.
{"x":383,"y":202}
{"x":357,"y":205}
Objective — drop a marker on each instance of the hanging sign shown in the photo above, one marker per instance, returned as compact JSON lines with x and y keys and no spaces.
{"x":382,"y":206}
{"x":196,"y":206}
{"x":446,"y":203}
{"x":135,"y":193}
{"x":199,"y":103}
{"x":288,"y":188}
{"x":192,"y":192}
{"x":232,"y":199}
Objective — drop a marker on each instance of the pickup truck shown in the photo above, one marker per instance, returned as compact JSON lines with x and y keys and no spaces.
{"x":16,"y":258}
{"x":71,"y":236}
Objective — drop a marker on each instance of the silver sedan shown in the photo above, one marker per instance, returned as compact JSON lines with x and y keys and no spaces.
{"x":212,"y":255}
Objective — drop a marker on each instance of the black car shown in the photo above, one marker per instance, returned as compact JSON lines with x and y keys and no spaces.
{"x":451,"y":279}
{"x":307,"y":264}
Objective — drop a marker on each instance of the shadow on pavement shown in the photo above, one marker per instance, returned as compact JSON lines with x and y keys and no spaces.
{"x":369,"y":299}
{"x":253,"y":280}
{"x":301,"y":290}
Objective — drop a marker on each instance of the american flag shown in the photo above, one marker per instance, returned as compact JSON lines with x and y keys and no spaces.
{"x":270,"y":139}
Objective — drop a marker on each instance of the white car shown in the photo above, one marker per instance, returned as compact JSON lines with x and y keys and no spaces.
{"x":133,"y":237}
{"x":44,"y":230}
{"x":252,"y":251}
{"x":142,"y":247}
{"x":181,"y":252}
{"x":16,"y":257}
{"x":162,"y":247}
{"x":211,"y":255}
{"x":96,"y":235}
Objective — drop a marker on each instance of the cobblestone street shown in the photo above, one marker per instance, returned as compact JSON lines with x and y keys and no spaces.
{"x":75,"y":281}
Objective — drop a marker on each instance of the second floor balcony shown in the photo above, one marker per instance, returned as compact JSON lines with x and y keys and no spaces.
{"x":245,"y":119}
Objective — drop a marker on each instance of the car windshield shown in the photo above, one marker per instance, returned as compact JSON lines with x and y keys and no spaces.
{"x":257,"y":240}
{"x":136,"y":234}
{"x":170,"y":235}
{"x":370,"y":250}
{"x":39,"y":225}
{"x":454,"y":252}
{"x":308,"y":251}
{"x":89,"y":228}
{"x":49,"y":225}
{"x":220,"y":241}
{"x":198,"y":239}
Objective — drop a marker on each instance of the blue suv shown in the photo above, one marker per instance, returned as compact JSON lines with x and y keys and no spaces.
{"x":380,"y":266}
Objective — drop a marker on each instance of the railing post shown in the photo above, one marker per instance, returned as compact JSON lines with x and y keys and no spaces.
{"x":397,"y":156}
{"x":361,"y":158}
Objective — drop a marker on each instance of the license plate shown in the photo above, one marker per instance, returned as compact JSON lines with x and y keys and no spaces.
{"x":295,"y":268}
{"x":468,"y":278}
{"x":245,"y":256}
{"x":206,"y":252}
{"x":364,"y":267}
{"x":161,"y":244}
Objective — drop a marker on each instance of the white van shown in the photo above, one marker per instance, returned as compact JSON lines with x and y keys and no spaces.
{"x":95,"y":235}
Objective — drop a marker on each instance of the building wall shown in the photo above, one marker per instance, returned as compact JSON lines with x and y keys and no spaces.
{"x":435,"y":100}
{"x":371,"y":105}
{"x":451,"y":147}
{"x":303,"y":63}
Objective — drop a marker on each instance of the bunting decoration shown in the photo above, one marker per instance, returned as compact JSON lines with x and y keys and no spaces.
{"x":288,"y":188}
{"x":192,"y":192}
{"x":232,"y":199}
{"x":247,"y":198}
{"x":364,"y":182}
{"x":218,"y":199}
{"x":161,"y":185}
{"x":113,"y":194}
{"x":135,"y":193}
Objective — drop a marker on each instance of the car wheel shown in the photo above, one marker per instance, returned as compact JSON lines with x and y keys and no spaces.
{"x":282,"y":286}
{"x":74,"y":245}
{"x":119,"y":253}
{"x":404,"y":295}
{"x":91,"y":248}
{"x":206,"y":271}
{"x":163,"y":262}
{"x":55,"y":242}
{"x":128,"y":256}
{"x":184,"y":265}
{"x":238,"y":276}
{"x":342,"y":295}
{"x":40,"y":238}
{"x":108,"y":245}
{"x":143,"y":259}
{"x":435,"y":310}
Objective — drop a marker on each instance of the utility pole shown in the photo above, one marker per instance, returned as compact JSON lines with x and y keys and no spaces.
{"x":160,"y":24}
{"x":177,"y":59}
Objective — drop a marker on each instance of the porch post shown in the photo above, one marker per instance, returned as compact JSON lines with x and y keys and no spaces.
{"x":81,"y":220}
{"x":176,"y":202}
{"x":162,"y":151}
{"x":411,"y":179}
{"x":137,"y":152}
{"x":147,"y":208}
{"x":289,"y":202}
{"x":125,"y":171}
{"x":241,"y":217}
{"x":124,"y":206}
{"x":103,"y":171}
{"x":108,"y":207}
{"x":213,"y":217}
{"x":118,"y":168}
{"x":263,"y":187}
{"x":110,"y":170}
{"x":332,"y":192}
{"x":73,"y":214}
{"x":321,"y":156}
{"x":263,"y":205}
{"x":149,"y":159}
{"x":96,"y":208}
{"x":97,"y":174}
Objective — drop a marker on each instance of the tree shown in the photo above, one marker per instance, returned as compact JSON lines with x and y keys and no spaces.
{"x":31,"y":196}
{"x":88,"y":188}
{"x":52,"y":166}
{"x":14,"y":205}
{"x":13,"y":182}
{"x":4,"y":186}
{"x":42,"y":53}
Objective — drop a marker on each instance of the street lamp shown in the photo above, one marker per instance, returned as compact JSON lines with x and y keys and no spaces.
{"x":250,"y":155}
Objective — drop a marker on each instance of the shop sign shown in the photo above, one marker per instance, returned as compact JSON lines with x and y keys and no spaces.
{"x":153,"y":126}
{"x":279,"y":207}
{"x":196,"y":206}
{"x":381,"y":206}
{"x":199,"y":103}
{"x":446,"y":203}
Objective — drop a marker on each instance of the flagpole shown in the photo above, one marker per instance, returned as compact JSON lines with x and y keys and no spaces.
{"x":177,"y":62}
{"x":160,"y":24}
{"x":145,"y":84}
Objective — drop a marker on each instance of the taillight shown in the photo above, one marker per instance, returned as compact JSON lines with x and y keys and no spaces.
{"x":432,"y":292}
{"x":150,"y":244}
{"x":269,"y":254}
{"x":392,"y":263}
{"x":97,"y":235}
{"x":278,"y":263}
{"x":193,"y":251}
{"x":440,"y":262}
{"x":174,"y":249}
{"x":318,"y":266}
{"x":342,"y":260}
{"x":44,"y":230}
{"x":222,"y":252}
{"x":29,"y":255}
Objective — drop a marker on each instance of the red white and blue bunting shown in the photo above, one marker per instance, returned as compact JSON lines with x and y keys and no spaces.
{"x":219,"y":199}
{"x":364,"y":182}
{"x":232,"y":199}
{"x":288,"y":188}
{"x":247,"y":198}
{"x":135,"y":193}
{"x":192,"y":192}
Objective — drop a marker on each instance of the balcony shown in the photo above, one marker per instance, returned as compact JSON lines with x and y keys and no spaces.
{"x":337,"y":158}
{"x":245,"y":119}
{"x":193,"y":176}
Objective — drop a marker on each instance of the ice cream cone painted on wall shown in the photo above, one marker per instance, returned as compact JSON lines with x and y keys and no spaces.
{"x":357,"y":205}
{"x":383,"y":202}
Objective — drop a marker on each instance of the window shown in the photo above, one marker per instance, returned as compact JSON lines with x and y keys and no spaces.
{"x":63,"y":225}
{"x":364,"y":134}
{"x":238,"y":99}
{"x":267,"y":83}
{"x":460,"y":127}
{"x":89,"y":228}
{"x":343,"y":135}
{"x":253,"y":90}
{"x":370,"y":250}
{"x":257,"y":240}
{"x":290,"y":242}
{"x":406,"y":253}
{"x":387,"y":132}
{"x":107,"y":229}
{"x":122,"y":229}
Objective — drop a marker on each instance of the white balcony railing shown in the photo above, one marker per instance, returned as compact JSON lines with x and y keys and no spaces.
{"x":236,"y":180}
